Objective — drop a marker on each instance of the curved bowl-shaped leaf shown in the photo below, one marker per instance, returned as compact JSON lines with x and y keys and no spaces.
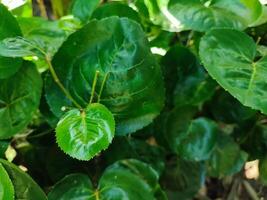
{"x":83,"y":134}
{"x":19,"y":99}
{"x":8,"y":28}
{"x":202,"y":15}
{"x":118,"y":47}
{"x":24,"y":186}
{"x":230,"y":58}
{"x":6,"y":187}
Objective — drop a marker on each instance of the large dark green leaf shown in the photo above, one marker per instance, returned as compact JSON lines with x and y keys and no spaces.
{"x":115,"y":9}
{"x":227,"y":158}
{"x":230,"y":58}
{"x":126,"y":179}
{"x":19,"y":99}
{"x":202,"y":15}
{"x":6,"y":187}
{"x":186,"y":80}
{"x":25,"y":187}
{"x":8,"y":28}
{"x":115,"y":46}
{"x":191,"y":139}
{"x":83,"y":134}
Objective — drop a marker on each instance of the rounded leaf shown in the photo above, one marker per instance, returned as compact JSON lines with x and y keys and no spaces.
{"x":6,"y":187}
{"x":8,"y":28}
{"x":24,"y":186}
{"x":230,"y":58}
{"x":116,"y":47}
{"x":19,"y":99}
{"x":83,"y":134}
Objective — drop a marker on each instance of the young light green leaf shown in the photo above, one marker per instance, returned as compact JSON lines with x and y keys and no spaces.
{"x":6,"y":187}
{"x":227,"y":157}
{"x":192,"y":139}
{"x":8,"y":28}
{"x":230,"y":58}
{"x":19,"y":99}
{"x":133,"y":91}
{"x":202,"y":15}
{"x":84,"y":134}
{"x":24,"y":186}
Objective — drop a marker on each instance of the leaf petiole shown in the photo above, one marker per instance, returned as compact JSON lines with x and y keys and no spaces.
{"x":93,"y":86}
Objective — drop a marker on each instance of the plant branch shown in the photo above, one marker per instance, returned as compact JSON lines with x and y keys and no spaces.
{"x":102,"y":86}
{"x":58,"y":82}
{"x":93,"y":86}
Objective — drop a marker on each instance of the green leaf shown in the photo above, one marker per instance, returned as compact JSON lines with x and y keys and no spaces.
{"x":202,"y":15}
{"x":73,"y":187}
{"x":115,"y":9}
{"x":186,"y":80}
{"x":227,"y":158}
{"x":83,"y":9}
{"x":24,"y":186}
{"x":3,"y":147}
{"x":182,"y":178}
{"x":116,"y":183}
{"x":6,"y":187}
{"x":230,"y":58}
{"x":133,"y":91}
{"x":8,"y":28}
{"x":83,"y":134}
{"x":19,"y":99}
{"x":191,"y":139}
{"x":226,"y":108}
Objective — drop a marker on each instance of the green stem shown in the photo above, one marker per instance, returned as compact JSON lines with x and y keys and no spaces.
{"x":102,"y":87}
{"x":56,"y":79}
{"x":93,"y":87}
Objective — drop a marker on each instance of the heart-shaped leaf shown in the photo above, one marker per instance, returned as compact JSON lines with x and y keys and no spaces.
{"x":116,"y":183}
{"x":24,"y":186}
{"x":6,"y":187}
{"x":192,"y":139}
{"x":83,"y":134}
{"x":202,"y":15}
{"x":116,"y":47}
{"x":8,"y":28}
{"x":230,"y":58}
{"x":19,"y":99}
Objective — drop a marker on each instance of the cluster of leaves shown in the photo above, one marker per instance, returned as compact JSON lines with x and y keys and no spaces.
{"x":146,"y":98}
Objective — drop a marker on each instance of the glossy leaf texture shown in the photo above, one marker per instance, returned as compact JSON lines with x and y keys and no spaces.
{"x":186,"y":81}
{"x":118,"y":48}
{"x":6,"y":187}
{"x":8,"y":28}
{"x":24,"y":186}
{"x":227,"y":157}
{"x":83,"y":134}
{"x":19,"y":99}
{"x":115,"y":183}
{"x":192,"y":139}
{"x":230,"y":58}
{"x":202,"y":15}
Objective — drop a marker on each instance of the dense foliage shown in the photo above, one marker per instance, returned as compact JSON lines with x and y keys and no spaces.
{"x":136,"y":100}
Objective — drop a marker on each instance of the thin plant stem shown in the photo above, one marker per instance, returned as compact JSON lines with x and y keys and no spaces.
{"x":93,"y":87}
{"x":58,"y":82}
{"x":102,"y":87}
